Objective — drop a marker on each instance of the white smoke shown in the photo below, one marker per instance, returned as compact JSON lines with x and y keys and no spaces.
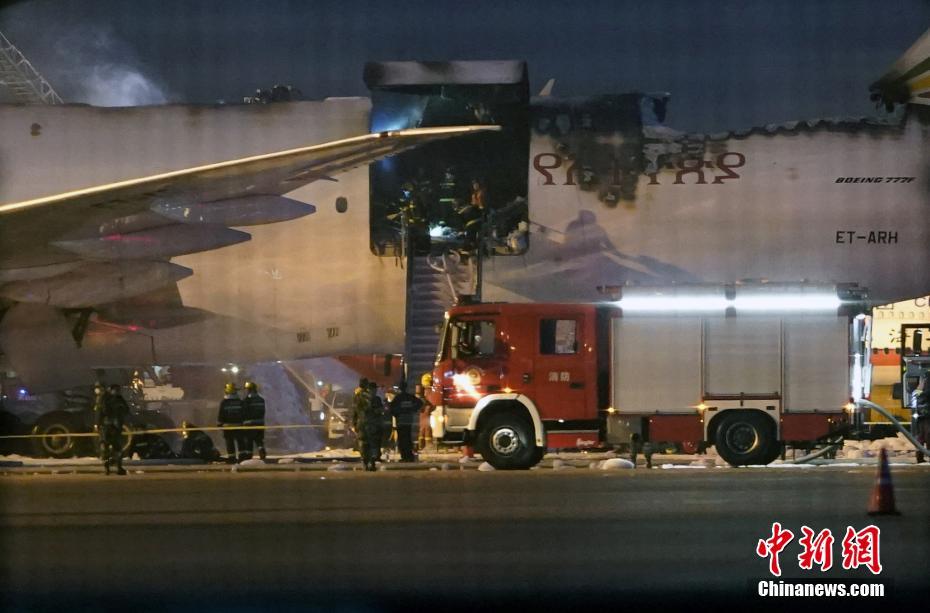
{"x":114,"y":85}
{"x":92,"y":65}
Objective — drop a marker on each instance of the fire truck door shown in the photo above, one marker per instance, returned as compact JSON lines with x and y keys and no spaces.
{"x":560,"y":387}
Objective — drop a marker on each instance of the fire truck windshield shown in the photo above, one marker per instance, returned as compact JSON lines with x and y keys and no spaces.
{"x":471,"y":338}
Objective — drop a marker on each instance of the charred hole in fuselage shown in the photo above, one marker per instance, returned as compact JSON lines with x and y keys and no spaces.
{"x":454,"y":193}
{"x":342,"y":204}
{"x":598,"y":144}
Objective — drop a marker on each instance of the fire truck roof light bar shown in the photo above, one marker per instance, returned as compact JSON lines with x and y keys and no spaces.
{"x":744,"y":299}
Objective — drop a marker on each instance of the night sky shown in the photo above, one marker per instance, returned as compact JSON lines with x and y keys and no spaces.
{"x":726,"y":64}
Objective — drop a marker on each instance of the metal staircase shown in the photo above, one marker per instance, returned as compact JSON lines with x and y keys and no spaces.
{"x":433,"y":285}
{"x":23,"y":81}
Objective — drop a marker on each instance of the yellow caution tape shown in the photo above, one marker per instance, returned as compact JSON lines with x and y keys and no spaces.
{"x":167,"y":430}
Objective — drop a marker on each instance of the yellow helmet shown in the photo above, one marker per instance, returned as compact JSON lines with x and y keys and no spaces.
{"x":251,"y":386}
{"x":230,"y":388}
{"x":426,"y":380}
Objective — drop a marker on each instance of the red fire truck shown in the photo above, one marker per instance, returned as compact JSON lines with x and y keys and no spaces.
{"x":746,"y":368}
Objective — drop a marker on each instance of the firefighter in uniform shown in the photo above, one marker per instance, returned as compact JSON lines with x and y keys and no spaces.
{"x":405,"y":408}
{"x":110,"y":421}
{"x":378,"y":410}
{"x":425,"y":435}
{"x":253,"y":415}
{"x":231,"y":415}
{"x":100,"y":399}
{"x":366,"y":421}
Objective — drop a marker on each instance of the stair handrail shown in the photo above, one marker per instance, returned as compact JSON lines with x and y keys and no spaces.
{"x":444,"y":269}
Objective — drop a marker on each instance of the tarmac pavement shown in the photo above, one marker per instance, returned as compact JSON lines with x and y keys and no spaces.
{"x":299,"y":535}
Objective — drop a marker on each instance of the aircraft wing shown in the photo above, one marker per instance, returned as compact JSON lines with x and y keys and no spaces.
{"x":107,"y":243}
{"x":277,"y":173}
{"x":908,"y":79}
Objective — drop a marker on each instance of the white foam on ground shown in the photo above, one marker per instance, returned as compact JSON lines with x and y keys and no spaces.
{"x":485,"y":467}
{"x":28,"y":461}
{"x":616,"y":464}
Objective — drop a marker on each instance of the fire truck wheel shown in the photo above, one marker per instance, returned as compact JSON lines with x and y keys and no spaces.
{"x":506,"y":442}
{"x":745,"y":437}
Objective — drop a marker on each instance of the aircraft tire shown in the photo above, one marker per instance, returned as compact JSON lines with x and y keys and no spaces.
{"x":60,"y":444}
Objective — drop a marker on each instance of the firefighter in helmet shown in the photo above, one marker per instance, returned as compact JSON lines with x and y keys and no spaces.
{"x":366,"y":421}
{"x":230,"y":415}
{"x":405,"y":408}
{"x":110,"y":422}
{"x":425,"y":435}
{"x":253,"y":415}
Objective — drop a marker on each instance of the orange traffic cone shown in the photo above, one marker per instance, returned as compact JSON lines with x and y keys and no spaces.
{"x":882,"y":502}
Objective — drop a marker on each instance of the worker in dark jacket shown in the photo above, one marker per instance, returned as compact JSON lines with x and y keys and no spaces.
{"x":100,"y":399}
{"x":366,"y":419}
{"x":110,"y":422}
{"x":231,"y":414}
{"x":406,"y":409}
{"x":253,"y":415}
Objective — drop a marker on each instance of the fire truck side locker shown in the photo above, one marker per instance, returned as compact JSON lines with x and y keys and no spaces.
{"x":745,"y":383}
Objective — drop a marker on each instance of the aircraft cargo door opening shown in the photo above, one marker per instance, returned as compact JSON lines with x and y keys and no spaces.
{"x":449,"y":195}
